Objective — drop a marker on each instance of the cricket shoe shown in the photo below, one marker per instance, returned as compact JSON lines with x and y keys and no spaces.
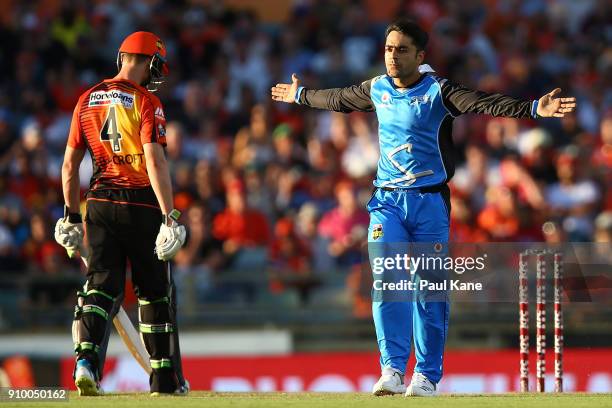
{"x":184,"y":389}
{"x":420,"y":386}
{"x":390,"y":382}
{"x":85,"y":380}
{"x":160,"y":382}
{"x":181,"y":391}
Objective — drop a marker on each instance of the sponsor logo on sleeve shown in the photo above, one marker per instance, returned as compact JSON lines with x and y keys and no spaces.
{"x":377,"y":231}
{"x":159,"y":113}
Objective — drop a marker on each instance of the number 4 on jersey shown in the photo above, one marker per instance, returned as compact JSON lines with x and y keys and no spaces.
{"x":110,"y":132}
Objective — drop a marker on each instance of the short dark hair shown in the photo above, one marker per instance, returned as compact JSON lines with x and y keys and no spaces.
{"x":411,"y":29}
{"x":138,"y":58}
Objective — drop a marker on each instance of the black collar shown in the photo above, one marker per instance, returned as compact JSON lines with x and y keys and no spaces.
{"x":412,"y":85}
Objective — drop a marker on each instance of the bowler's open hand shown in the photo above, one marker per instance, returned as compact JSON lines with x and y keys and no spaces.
{"x":549,"y":106}
{"x":286,"y":92}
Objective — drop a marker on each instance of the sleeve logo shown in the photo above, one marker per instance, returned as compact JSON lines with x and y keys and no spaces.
{"x":377,"y":231}
{"x":159,"y":113}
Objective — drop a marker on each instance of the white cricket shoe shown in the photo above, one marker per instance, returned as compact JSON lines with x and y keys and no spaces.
{"x":85,"y":380}
{"x":420,"y":386}
{"x":390,"y":382}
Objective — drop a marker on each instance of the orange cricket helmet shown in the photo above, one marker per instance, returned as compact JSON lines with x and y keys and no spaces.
{"x":146,"y":43}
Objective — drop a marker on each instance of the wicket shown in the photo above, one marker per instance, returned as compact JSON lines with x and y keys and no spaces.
{"x":540,"y":259}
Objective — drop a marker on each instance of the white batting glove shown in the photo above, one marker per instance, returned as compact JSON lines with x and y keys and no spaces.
{"x":69,"y":232}
{"x":170,"y":238}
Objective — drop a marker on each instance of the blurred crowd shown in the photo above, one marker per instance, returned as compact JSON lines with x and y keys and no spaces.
{"x":280,"y":190}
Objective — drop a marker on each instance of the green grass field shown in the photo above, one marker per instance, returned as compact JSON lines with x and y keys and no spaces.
{"x":310,"y":400}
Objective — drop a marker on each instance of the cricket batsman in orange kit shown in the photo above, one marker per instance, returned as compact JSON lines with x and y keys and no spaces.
{"x":130,"y":215}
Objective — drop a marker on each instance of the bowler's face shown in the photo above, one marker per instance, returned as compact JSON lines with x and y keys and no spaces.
{"x":401,"y":55}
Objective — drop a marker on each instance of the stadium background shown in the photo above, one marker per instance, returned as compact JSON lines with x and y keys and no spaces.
{"x":284,"y":304}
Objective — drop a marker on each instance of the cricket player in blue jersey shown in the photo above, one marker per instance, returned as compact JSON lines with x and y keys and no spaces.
{"x":411,"y":204}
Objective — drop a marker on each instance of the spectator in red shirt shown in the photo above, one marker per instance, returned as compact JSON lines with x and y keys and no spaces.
{"x":463,"y":228}
{"x":500,"y":216}
{"x":39,"y":245}
{"x":65,"y":88}
{"x":602,"y":159}
{"x":238,"y":226}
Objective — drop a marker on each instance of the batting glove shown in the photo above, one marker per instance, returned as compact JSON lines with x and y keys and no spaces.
{"x":170,"y":238}
{"x":69,"y":231}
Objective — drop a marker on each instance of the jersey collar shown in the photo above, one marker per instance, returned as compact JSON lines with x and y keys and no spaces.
{"x":408,"y":88}
{"x":126,"y":80}
{"x":423,"y":70}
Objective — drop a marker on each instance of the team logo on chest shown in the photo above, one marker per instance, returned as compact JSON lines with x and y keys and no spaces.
{"x":377,"y":231}
{"x":417,"y":100}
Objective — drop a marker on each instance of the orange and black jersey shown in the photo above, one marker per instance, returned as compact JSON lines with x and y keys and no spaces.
{"x":114,"y":119}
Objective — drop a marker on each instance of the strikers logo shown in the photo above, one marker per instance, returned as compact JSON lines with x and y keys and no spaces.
{"x":377,"y":231}
{"x":416,"y":100}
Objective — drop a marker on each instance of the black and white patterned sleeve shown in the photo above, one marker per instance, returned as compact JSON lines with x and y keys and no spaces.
{"x":349,"y":99}
{"x":459,"y":99}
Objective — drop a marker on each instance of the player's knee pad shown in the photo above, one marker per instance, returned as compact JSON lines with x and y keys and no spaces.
{"x":92,"y":315}
{"x":156,"y":328}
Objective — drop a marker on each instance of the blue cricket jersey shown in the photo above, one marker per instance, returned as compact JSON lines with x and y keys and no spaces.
{"x":415,"y":123}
